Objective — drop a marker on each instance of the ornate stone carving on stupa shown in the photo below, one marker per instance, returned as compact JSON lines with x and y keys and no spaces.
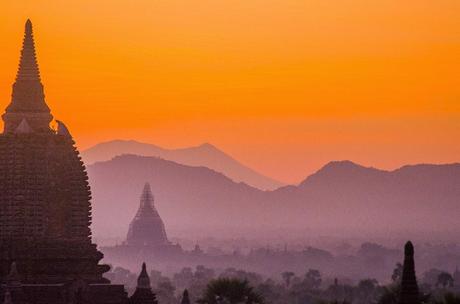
{"x":45,"y":208}
{"x":46,"y":252}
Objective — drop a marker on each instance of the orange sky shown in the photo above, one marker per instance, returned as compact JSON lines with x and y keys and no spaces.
{"x":282,"y":85}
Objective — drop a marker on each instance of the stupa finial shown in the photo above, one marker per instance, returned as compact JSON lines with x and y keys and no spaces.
{"x":28,"y":98}
{"x":143,"y":292}
{"x":147,"y":196}
{"x":29,"y":26}
{"x":185,"y":297}
{"x":7,"y":297}
{"x":28,"y":65}
{"x":13,"y":277}
{"x":143,"y":281}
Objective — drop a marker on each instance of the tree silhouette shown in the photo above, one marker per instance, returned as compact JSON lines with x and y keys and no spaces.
{"x":313,"y":279}
{"x":448,"y":298}
{"x":390,"y":294}
{"x":367,"y":291}
{"x":397,"y":273}
{"x":287,"y":276}
{"x":445,"y":279}
{"x":430,"y":277}
{"x":230,"y":291}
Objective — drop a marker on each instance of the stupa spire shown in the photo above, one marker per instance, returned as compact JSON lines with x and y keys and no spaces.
{"x":28,"y":98}
{"x":28,"y":65}
{"x":146,"y":197}
{"x":185,"y":297}
{"x":143,"y":293}
{"x":13,"y":276}
{"x":409,"y":288}
{"x":143,"y":281}
{"x":147,"y":227}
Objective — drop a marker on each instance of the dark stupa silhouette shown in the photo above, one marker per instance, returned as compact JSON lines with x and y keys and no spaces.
{"x":143,"y":293}
{"x":146,"y":238}
{"x":147,"y":227}
{"x":185,"y":297}
{"x":46,"y":251}
{"x":409,"y":288}
{"x":28,"y":106}
{"x":45,"y":196}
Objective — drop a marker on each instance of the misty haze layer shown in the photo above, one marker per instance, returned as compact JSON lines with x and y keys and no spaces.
{"x":341,"y":198}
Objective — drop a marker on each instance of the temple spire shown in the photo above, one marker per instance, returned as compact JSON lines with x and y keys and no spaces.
{"x":147,"y":227}
{"x":143,"y":281}
{"x":28,"y":98}
{"x":28,"y":65}
{"x":147,"y":197}
{"x":7,"y":297}
{"x":143,"y":293}
{"x":409,"y":288}
{"x":185,"y":297}
{"x":13,"y":278}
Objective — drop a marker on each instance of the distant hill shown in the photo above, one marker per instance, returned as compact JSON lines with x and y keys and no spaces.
{"x":204,"y":155}
{"x":341,"y":198}
{"x":367,"y":200}
{"x":188,"y":198}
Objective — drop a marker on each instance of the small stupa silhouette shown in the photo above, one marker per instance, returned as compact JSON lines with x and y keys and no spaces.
{"x":409,"y":288}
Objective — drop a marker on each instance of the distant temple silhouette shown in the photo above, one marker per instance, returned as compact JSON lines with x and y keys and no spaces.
{"x":46,"y":252}
{"x":143,"y":293}
{"x":147,"y":227}
{"x":146,"y":238}
{"x":409,"y":288}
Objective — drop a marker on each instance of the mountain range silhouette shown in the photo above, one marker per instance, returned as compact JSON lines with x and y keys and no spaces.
{"x":342,"y":197}
{"x":205,"y":155}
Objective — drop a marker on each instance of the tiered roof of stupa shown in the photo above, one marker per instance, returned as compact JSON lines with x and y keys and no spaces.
{"x":45,"y":208}
{"x":147,"y":227}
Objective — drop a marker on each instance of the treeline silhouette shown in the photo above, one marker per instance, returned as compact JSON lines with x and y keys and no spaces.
{"x":306,"y":287}
{"x":349,"y":263}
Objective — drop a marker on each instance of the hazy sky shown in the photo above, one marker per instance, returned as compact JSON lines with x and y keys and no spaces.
{"x":282,"y":85}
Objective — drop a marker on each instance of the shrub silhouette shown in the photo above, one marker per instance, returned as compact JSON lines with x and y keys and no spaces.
{"x":230,"y":291}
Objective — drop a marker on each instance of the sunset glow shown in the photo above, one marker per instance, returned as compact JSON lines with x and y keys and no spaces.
{"x":284,"y":86}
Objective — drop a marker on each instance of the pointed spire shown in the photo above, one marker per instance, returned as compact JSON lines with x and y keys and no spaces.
{"x":185,"y":297}
{"x":13,"y":274}
{"x":13,"y":279}
{"x":143,"y":281}
{"x":146,"y":206}
{"x":409,"y":288}
{"x":147,"y":227}
{"x":28,"y":98}
{"x":7,"y":297}
{"x":147,"y":196}
{"x":143,"y":293}
{"x":28,"y":66}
